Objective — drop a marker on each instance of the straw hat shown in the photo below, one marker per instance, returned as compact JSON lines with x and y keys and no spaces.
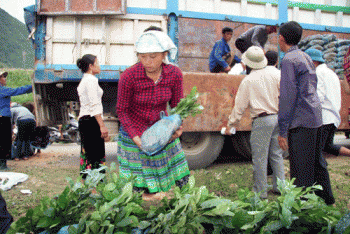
{"x":254,"y":58}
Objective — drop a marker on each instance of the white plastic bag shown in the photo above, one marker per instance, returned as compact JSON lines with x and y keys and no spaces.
{"x":9,"y":179}
{"x":158,"y":135}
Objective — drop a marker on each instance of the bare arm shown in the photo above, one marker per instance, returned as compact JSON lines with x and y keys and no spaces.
{"x":104,"y":130}
{"x":345,"y":85}
{"x":137,"y":141}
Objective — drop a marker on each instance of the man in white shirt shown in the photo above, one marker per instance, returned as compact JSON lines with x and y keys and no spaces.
{"x":329,"y":93}
{"x":260,"y":91}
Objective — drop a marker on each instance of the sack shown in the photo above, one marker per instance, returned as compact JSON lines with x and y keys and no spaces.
{"x":317,"y":42}
{"x":330,"y":45}
{"x":330,"y":50}
{"x":158,"y":135}
{"x":316,"y":47}
{"x":329,"y":38}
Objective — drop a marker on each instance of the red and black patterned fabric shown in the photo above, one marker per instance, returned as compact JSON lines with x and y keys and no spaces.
{"x":140,"y":99}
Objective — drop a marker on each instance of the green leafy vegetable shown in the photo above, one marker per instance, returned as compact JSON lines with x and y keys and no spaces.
{"x":188,"y":106}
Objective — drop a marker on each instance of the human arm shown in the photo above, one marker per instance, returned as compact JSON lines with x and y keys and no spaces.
{"x":219,"y":51}
{"x":283,"y":143}
{"x":321,"y":86}
{"x":96,"y":105}
{"x":8,"y":92}
{"x":177,"y":94}
{"x":125,"y":96}
{"x":241,"y":104}
{"x":257,"y":34}
{"x":345,"y":85}
{"x":176,"y":134}
{"x":176,"y":88}
{"x":103,"y":128}
{"x":288,"y":96}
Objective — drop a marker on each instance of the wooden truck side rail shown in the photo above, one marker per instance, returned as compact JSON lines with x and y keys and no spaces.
{"x":218,"y":92}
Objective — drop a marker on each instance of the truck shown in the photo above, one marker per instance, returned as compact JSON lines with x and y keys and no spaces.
{"x":64,"y":30}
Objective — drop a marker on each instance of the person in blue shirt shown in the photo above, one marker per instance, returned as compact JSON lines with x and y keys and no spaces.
{"x":221,"y":53}
{"x":5,"y":117}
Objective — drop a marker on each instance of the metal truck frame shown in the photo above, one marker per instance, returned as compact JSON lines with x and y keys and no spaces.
{"x":64,"y":30}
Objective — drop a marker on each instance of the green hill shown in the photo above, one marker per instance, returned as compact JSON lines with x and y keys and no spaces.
{"x":15,"y":50}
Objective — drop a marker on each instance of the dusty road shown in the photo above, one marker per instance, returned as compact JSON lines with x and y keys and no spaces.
{"x":72,"y":151}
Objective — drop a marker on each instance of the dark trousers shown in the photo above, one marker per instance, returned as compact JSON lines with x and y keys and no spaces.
{"x":217,"y":69}
{"x":5,"y":138}
{"x":307,"y":163}
{"x":328,"y":132}
{"x":93,"y":146}
{"x":5,"y":217}
{"x":24,"y":137}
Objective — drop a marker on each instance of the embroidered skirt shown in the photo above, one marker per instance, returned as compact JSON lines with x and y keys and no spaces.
{"x":154,"y":173}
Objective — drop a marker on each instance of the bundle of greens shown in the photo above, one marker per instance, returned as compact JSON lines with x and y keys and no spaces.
{"x":188,"y":106}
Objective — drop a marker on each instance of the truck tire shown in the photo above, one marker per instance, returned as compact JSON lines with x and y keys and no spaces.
{"x":241,"y":144}
{"x":201,"y":148}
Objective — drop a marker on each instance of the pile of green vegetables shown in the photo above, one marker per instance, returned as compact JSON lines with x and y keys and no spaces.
{"x":117,"y":209}
{"x":188,"y":106}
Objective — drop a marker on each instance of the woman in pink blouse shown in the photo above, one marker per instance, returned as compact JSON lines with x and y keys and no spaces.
{"x":143,"y":92}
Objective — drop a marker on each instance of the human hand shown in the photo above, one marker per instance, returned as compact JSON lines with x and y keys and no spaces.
{"x":227,"y":131}
{"x":176,"y":134}
{"x":227,"y":69}
{"x":243,"y":66}
{"x":104,"y":132}
{"x":283,"y":143}
{"x":137,"y":141}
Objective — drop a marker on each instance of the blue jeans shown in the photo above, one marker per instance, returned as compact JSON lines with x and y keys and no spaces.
{"x":24,"y":136}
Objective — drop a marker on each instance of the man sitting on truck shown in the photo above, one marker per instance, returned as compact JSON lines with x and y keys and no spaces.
{"x":220,"y":59}
{"x":259,"y":91}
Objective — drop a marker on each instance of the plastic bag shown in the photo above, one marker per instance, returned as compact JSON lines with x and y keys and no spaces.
{"x":9,"y":179}
{"x":158,"y":135}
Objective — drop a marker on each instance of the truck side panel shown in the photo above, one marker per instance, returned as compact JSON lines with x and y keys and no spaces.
{"x":218,"y":92}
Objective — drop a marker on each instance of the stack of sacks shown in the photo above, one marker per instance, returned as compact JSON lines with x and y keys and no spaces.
{"x":332,"y":48}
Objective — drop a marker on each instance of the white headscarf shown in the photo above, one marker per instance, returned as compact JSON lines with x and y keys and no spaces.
{"x":155,"y":41}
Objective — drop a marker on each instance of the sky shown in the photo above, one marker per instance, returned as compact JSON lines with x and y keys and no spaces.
{"x":15,"y":7}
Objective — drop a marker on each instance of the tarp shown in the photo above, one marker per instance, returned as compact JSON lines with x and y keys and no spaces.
{"x":29,"y":18}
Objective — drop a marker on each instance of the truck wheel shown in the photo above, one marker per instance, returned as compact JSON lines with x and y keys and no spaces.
{"x":201,"y":148}
{"x":241,"y":144}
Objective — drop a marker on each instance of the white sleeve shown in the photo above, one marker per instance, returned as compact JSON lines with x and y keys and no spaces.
{"x":241,"y":103}
{"x":321,"y":89}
